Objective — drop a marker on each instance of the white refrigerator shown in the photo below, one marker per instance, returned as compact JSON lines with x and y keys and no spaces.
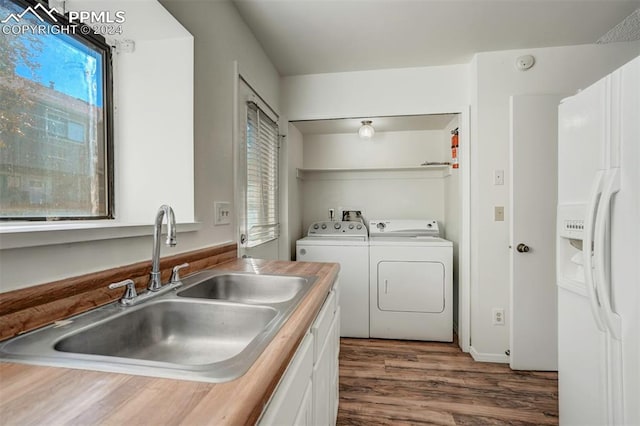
{"x":598,"y":259}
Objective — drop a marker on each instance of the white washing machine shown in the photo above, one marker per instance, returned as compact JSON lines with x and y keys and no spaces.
{"x":410,"y":281}
{"x":345,"y":243}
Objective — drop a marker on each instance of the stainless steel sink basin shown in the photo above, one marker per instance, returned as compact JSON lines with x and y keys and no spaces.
{"x":245,"y":288}
{"x":174,"y":331}
{"x":211,"y":332}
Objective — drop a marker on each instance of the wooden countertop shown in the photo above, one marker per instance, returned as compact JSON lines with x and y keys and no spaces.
{"x":34,"y":395}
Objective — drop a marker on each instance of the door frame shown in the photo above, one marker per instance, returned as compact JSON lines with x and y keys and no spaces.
{"x":267,"y":248}
{"x":464,"y":246}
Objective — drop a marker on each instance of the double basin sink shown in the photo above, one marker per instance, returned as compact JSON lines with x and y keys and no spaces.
{"x":211,"y":329}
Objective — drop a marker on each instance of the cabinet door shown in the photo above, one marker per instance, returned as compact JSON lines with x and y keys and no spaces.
{"x":305,"y":413}
{"x":284,"y":406}
{"x":333,"y":386}
{"x":324,"y":378}
{"x":322,"y":383}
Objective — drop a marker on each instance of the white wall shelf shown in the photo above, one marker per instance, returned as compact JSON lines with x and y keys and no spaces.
{"x":433,"y":171}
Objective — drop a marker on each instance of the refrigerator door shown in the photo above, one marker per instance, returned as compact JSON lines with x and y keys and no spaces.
{"x":582,"y":150}
{"x":581,"y":360}
{"x":624,"y":285}
{"x":583,"y":160}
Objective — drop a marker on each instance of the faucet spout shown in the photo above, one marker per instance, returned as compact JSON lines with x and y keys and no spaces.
{"x":171,"y":227}
{"x":155,"y":281}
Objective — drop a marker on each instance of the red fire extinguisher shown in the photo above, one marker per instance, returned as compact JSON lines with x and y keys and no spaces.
{"x":454,"y":148}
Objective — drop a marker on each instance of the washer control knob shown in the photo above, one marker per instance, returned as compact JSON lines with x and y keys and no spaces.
{"x":359,"y":227}
{"x":381,"y":226}
{"x":324,"y":226}
{"x":351,"y":226}
{"x":337,"y":226}
{"x":429,"y":225}
{"x":316,"y":226}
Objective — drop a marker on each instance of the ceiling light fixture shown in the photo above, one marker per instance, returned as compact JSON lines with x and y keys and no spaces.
{"x":366,"y":131}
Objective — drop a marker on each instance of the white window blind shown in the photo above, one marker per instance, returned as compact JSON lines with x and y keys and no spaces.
{"x":262,"y":177}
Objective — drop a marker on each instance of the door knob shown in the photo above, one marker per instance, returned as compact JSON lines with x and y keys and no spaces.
{"x":522,"y":248}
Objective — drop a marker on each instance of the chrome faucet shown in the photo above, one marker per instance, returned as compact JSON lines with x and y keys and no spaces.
{"x":155,"y":287}
{"x":155,"y":282}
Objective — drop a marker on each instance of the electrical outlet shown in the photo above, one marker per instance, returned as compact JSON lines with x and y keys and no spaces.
{"x":498,"y":316}
{"x":498,"y":214}
{"x":222,"y":213}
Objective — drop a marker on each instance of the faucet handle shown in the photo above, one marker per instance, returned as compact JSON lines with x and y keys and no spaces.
{"x":130,"y":293}
{"x":175,"y":275}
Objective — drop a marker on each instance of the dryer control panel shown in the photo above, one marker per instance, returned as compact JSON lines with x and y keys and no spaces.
{"x":337,"y":228}
{"x":404,"y":228}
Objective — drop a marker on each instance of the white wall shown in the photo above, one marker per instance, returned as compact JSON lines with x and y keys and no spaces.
{"x":220,"y":38}
{"x":380,"y":194}
{"x":407,"y":91}
{"x":378,"y":197}
{"x":385,"y":149}
{"x":295,"y":194}
{"x":494,"y":79}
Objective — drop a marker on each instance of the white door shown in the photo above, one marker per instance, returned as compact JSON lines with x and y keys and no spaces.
{"x":533,"y":190}
{"x":268,"y":250}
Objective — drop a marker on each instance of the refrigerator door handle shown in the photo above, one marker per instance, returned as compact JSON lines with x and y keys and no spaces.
{"x":601,"y":251}
{"x":587,"y":242}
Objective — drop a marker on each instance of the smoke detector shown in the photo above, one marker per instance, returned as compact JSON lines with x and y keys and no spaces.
{"x":525,"y":62}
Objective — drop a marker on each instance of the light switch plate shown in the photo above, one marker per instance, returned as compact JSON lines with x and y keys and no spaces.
{"x":498,"y":214}
{"x":222,"y":213}
{"x":498,"y":177}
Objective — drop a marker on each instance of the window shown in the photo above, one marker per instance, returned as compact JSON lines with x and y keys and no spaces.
{"x":55,"y":118}
{"x":262,"y":177}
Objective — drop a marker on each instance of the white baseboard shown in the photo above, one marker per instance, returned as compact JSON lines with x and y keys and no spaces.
{"x":487,"y":357}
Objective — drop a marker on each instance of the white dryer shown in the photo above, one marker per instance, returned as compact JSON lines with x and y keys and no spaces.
{"x":345,"y":243}
{"x":410,"y":281}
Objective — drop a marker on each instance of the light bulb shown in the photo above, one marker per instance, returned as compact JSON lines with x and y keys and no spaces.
{"x":366,"y":131}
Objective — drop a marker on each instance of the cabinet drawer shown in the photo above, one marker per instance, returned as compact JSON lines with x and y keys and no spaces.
{"x":285,"y":403}
{"x":322,"y":324}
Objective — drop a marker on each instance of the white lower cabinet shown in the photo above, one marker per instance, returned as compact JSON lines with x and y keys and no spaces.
{"x":307,"y":394}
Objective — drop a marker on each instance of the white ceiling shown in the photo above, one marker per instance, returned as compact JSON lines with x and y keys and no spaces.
{"x":380,"y":124}
{"x":321,"y":36}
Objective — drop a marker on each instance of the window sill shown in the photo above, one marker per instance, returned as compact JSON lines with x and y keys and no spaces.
{"x":28,"y":234}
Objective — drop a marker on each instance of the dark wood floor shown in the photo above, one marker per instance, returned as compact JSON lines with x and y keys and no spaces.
{"x":394,"y":382}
